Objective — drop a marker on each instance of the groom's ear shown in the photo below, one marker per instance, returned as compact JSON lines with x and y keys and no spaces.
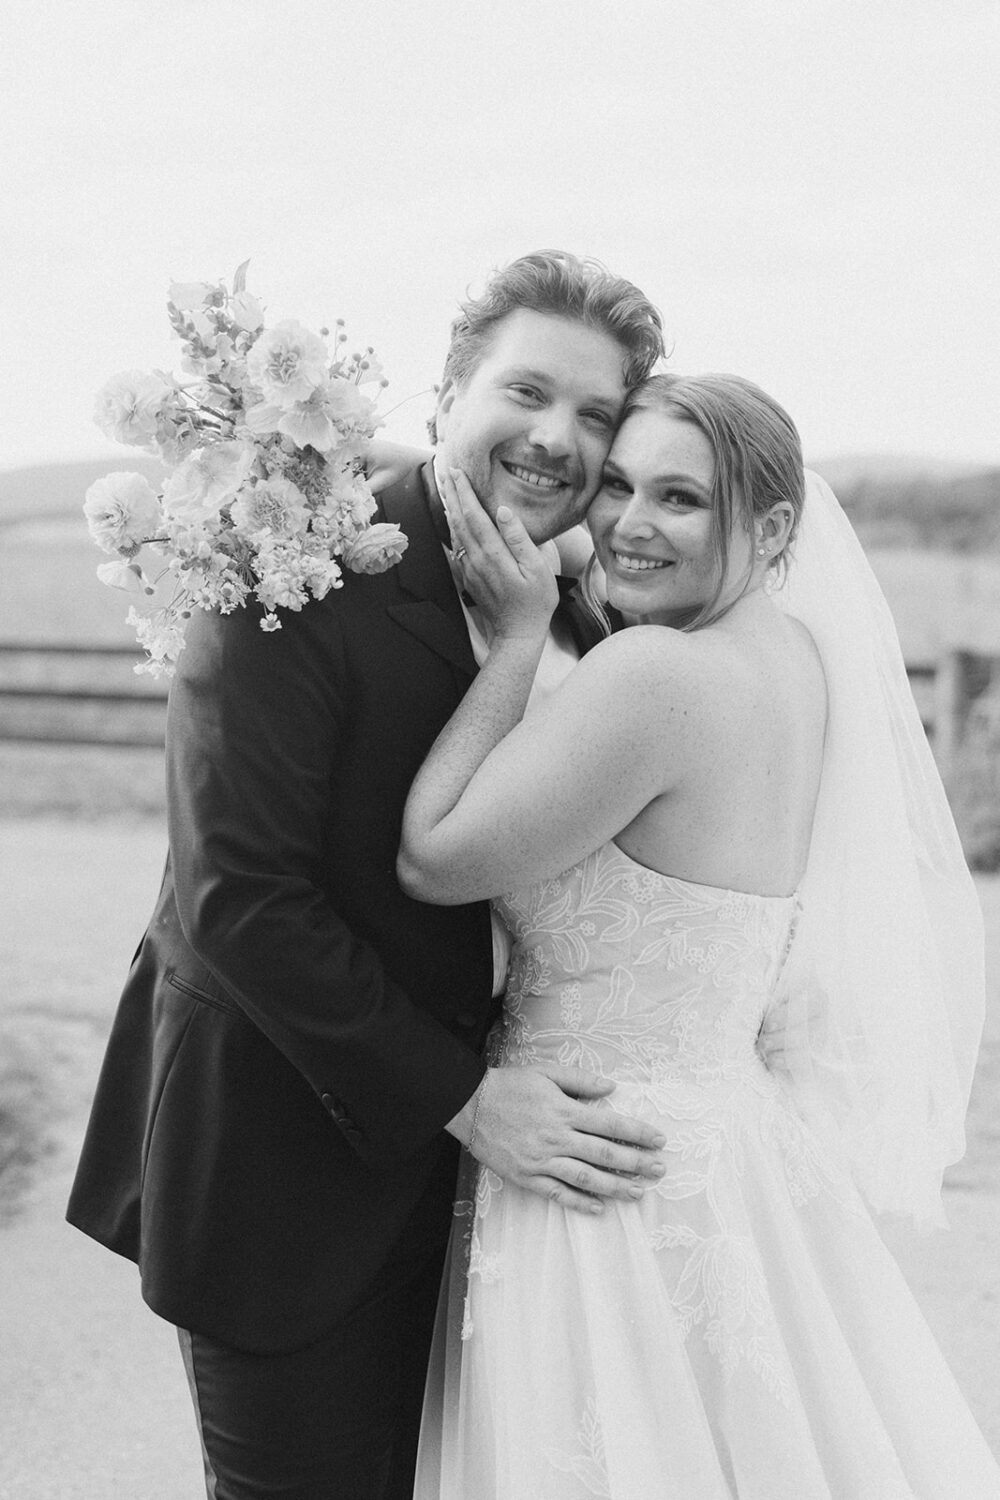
{"x":445,"y":401}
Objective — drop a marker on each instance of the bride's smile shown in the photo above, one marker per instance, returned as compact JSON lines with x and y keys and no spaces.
{"x":652,"y":522}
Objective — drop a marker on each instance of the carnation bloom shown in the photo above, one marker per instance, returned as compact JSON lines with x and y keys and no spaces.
{"x":131,"y":406}
{"x":287,"y":363}
{"x":376,"y":550}
{"x":274,"y":505}
{"x":207,"y":481}
{"x":122,"y":511}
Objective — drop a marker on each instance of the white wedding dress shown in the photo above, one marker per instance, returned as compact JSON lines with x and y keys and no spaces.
{"x":742,"y":1330}
{"x":741,"y":1333}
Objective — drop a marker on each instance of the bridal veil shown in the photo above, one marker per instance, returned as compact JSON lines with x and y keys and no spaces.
{"x":883,"y":987}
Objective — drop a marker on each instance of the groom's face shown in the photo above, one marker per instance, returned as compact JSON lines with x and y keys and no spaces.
{"x":532,"y":423}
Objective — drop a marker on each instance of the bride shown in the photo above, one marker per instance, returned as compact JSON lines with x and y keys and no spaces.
{"x":734,"y":888}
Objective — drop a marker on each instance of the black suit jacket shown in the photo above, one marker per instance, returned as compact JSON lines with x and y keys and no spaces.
{"x":295,"y":1031}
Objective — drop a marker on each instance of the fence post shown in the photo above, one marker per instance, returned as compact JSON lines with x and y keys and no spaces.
{"x":951,"y":707}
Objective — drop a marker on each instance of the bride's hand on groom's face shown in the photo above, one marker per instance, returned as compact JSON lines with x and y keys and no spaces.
{"x":535,"y":1127}
{"x":502,"y":568}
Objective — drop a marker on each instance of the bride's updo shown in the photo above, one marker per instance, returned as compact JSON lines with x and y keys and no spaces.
{"x":757,"y":449}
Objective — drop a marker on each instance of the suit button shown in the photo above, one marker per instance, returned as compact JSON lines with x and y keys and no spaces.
{"x":338,"y":1112}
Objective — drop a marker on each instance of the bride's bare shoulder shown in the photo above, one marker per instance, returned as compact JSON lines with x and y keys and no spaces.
{"x":723,"y":667}
{"x":640,"y":647}
{"x":661,"y":664}
{"x":804,"y":662}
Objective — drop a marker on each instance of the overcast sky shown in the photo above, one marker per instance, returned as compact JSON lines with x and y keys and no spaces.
{"x":808,"y":190}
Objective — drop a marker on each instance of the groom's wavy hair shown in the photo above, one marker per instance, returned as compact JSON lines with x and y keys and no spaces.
{"x":758,"y":462}
{"x":565,"y":286}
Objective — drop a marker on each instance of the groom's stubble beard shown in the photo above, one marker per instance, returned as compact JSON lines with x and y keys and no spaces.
{"x":545,"y":518}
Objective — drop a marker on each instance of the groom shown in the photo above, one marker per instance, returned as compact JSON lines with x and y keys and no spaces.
{"x":297,"y":1051}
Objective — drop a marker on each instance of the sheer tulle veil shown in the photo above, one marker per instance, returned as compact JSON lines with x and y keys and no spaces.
{"x":884,"y":983}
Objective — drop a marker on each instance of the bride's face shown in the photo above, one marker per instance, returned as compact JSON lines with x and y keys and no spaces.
{"x":651,"y":521}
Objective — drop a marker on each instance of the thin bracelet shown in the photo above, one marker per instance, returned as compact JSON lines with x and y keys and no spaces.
{"x":480,"y":1095}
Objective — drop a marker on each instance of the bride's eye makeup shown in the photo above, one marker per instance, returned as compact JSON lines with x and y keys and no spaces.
{"x":687,"y":499}
{"x":615,"y":484}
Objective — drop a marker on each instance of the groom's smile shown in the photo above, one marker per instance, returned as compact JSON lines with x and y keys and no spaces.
{"x":534,"y":477}
{"x":531,"y":423}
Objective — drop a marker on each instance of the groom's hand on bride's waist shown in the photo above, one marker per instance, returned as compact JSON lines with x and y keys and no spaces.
{"x":537,"y":1127}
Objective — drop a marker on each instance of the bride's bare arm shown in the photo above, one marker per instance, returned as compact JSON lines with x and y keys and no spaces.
{"x":531,"y":1125}
{"x":501,"y":803}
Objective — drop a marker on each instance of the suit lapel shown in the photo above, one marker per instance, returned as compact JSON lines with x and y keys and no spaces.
{"x":430,"y":608}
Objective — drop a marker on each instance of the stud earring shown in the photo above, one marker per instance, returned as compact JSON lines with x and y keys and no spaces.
{"x":761,"y":551}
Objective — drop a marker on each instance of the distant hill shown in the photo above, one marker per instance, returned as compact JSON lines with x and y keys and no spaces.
{"x":893,"y":502}
{"x":907,"y":502}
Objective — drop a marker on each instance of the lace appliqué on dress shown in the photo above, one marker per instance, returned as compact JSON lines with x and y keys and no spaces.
{"x":586,"y":1461}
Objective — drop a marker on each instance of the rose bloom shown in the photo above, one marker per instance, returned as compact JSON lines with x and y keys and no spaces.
{"x":376,"y":550}
{"x":206,"y":482}
{"x":130,"y":407}
{"x":122,"y":511}
{"x":275,"y":505}
{"x":287,"y":363}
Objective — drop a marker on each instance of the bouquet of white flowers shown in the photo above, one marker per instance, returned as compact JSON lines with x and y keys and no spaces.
{"x":266,"y":445}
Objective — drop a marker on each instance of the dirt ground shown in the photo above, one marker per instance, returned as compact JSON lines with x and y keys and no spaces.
{"x":93,"y":1404}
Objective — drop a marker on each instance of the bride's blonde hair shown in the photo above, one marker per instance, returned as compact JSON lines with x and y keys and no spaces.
{"x":758,"y":459}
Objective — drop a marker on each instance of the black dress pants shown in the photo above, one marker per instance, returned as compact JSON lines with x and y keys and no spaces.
{"x":339,"y":1419}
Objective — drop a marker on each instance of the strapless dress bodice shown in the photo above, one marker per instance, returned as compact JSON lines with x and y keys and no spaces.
{"x":641,"y":976}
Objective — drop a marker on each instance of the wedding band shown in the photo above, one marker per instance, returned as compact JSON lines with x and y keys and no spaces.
{"x":460,"y":554}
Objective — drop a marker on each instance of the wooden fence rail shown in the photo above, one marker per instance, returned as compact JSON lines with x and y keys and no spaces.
{"x":91,"y":695}
{"x":64,"y":693}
